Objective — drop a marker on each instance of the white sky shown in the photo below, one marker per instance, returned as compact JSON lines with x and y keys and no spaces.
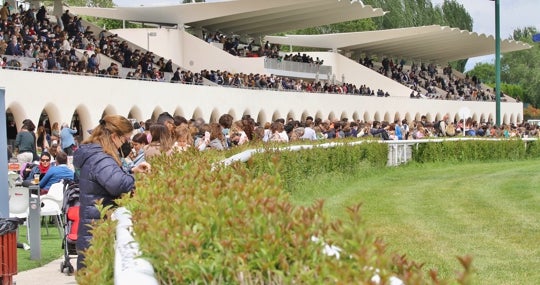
{"x":514,"y":14}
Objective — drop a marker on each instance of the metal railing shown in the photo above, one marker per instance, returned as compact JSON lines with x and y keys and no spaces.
{"x":273,"y":63}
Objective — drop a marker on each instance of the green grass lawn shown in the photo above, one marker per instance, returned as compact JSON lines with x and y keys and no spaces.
{"x":435,"y":212}
{"x":51,"y":249}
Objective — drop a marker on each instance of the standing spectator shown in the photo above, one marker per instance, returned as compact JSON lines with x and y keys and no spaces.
{"x":4,"y":12}
{"x":101,"y":175}
{"x":25,"y":142}
{"x":67,"y":140}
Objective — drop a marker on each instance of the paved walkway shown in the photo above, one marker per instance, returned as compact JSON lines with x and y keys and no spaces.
{"x":48,"y":274}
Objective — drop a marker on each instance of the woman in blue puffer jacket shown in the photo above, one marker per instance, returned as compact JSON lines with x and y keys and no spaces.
{"x":101,"y":175}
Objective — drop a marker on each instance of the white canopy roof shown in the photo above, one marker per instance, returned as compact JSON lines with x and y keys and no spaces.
{"x":253,"y":17}
{"x":430,"y":43}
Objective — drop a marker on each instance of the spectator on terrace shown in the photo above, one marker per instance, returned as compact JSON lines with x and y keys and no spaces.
{"x":4,"y":12}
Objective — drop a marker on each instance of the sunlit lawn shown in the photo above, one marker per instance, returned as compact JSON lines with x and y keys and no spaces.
{"x":51,"y":249}
{"x":435,"y":212}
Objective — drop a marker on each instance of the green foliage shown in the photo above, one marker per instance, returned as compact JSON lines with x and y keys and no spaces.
{"x":200,"y":223}
{"x":520,"y":67}
{"x":475,"y":150}
{"x":483,"y":71}
{"x":295,"y":166}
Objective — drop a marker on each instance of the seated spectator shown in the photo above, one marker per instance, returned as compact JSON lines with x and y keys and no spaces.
{"x":56,"y":173}
{"x":39,"y":169}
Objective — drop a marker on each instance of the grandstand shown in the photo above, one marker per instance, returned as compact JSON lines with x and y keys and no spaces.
{"x":181,"y":35}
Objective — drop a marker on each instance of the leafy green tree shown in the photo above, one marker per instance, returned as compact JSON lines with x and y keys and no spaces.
{"x":483,"y":71}
{"x":521,"y":67}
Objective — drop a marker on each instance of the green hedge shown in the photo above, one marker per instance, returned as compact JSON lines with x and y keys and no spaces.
{"x":294,"y":166}
{"x":475,"y":150}
{"x":202,"y":225}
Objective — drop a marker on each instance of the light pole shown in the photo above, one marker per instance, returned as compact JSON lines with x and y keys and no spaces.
{"x":497,"y":63}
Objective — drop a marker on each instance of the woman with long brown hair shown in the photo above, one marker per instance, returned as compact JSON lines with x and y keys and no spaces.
{"x":101,"y":176}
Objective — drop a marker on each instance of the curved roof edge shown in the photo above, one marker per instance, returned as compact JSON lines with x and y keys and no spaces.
{"x":430,"y":43}
{"x":254,"y":17}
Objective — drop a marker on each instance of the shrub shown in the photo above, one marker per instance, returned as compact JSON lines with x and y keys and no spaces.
{"x":471,"y":150}
{"x":199,"y":225}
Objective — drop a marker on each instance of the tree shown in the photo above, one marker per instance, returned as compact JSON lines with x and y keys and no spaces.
{"x":521,"y":67}
{"x":483,"y":71}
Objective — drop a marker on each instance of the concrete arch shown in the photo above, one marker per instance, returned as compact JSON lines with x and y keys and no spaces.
{"x":319,"y":115}
{"x":407,"y":117}
{"x":343,"y":115}
{"x":178,"y":112}
{"x":430,"y":117}
{"x":214,"y":117}
{"x":482,"y":118}
{"x":505,"y":119}
{"x":331,"y":116}
{"x":157,"y":110}
{"x":305,"y":114}
{"x":397,"y":116}
{"x":367,"y":117}
{"x":197,"y":113}
{"x":261,"y":117}
{"x":387,"y":117}
{"x":376,"y":116}
{"x":490,"y":118}
{"x":109,"y":110}
{"x":136,"y":114}
{"x":86,"y":120}
{"x":355,"y":116}
{"x":475,"y":117}
{"x":276,"y":116}
{"x":291,"y":115}
{"x":18,"y":113}
{"x":247,"y":112}
{"x":232,"y":113}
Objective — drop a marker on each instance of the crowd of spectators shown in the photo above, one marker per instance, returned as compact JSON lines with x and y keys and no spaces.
{"x":428,"y":83}
{"x":54,"y":47}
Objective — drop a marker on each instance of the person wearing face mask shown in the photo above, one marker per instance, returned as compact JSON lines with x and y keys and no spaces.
{"x":101,"y":176}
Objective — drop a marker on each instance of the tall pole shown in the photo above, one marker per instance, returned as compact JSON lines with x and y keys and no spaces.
{"x":497,"y":63}
{"x":4,"y":191}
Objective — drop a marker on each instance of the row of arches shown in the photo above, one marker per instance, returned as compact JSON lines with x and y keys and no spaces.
{"x":82,"y":120}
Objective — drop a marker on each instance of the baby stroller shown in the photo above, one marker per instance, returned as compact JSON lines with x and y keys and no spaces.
{"x":70,"y":209}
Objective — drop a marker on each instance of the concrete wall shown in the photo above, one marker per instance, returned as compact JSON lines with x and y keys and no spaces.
{"x":28,"y":94}
{"x":190,"y":51}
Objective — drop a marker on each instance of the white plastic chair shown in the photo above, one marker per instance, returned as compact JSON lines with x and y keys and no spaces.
{"x":49,"y":207}
{"x":56,"y":193}
{"x":19,"y":200}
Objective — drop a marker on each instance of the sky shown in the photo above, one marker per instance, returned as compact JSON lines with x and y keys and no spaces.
{"x":514,"y":14}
